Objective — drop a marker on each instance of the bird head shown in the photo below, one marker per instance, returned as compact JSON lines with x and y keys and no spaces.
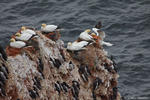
{"x":43,"y":25}
{"x":12,"y":40}
{"x":23,"y":28}
{"x":18,"y":34}
{"x":87,"y":30}
{"x":93,"y":34}
{"x":98,"y":25}
{"x":69,"y":43}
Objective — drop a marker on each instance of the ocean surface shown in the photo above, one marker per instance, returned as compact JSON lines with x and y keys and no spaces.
{"x":126,"y":23}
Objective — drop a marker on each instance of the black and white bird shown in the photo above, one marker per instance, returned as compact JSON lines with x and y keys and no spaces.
{"x":76,"y":46}
{"x":17,"y":44}
{"x":23,"y":37}
{"x":24,"y":30}
{"x":102,"y":35}
{"x":85,"y":36}
{"x":3,"y":53}
{"x":96,"y":83}
{"x":99,"y":32}
{"x":49,"y":28}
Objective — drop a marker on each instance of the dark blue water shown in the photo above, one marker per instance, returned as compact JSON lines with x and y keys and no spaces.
{"x":126,"y":23}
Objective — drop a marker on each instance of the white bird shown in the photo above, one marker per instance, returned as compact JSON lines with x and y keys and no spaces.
{"x":75,"y":46}
{"x":23,"y":37}
{"x":101,"y":41}
{"x":24,"y":30}
{"x":48,"y":28}
{"x":17,"y":44}
{"x":99,"y":32}
{"x":85,"y":35}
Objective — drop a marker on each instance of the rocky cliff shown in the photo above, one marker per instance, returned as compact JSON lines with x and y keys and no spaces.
{"x":45,"y":70}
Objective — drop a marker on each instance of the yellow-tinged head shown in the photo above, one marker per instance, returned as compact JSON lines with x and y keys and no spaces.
{"x":12,"y":40}
{"x":23,"y":28}
{"x":43,"y":25}
{"x":88,"y":30}
{"x":93,"y":34}
{"x":18,"y":34}
{"x":69,"y":43}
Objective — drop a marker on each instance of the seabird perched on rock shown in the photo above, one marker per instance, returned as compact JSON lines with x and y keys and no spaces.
{"x":24,"y":30}
{"x":85,"y":35}
{"x":3,"y":53}
{"x":58,"y":87}
{"x":99,"y":39}
{"x":33,"y":94}
{"x":65,"y":86}
{"x":99,"y":32}
{"x":96,"y":83}
{"x":23,"y":37}
{"x":49,"y":28}
{"x":75,"y":89}
{"x":76,"y":46}
{"x":17,"y":44}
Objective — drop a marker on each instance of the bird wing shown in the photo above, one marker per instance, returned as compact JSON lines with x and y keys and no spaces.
{"x":30,"y":31}
{"x":80,"y":45}
{"x":51,"y":28}
{"x":106,"y":43}
{"x":83,"y":43}
{"x":17,"y":44}
{"x":24,"y":37}
{"x":85,"y":36}
{"x":20,"y":43}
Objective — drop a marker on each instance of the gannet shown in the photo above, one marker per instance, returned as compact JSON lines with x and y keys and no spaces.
{"x":23,"y":37}
{"x":3,"y":53}
{"x":17,"y":44}
{"x":99,"y":32}
{"x":98,"y":39}
{"x":48,"y":28}
{"x":85,"y":35}
{"x":24,"y":30}
{"x":75,"y":46}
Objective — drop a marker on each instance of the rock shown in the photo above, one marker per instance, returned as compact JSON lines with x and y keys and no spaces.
{"x":45,"y":70}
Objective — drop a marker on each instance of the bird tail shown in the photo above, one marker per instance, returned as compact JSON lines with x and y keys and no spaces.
{"x":62,"y":29}
{"x":59,"y":28}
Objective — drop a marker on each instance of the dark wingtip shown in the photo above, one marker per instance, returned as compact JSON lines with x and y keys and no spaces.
{"x":58,"y":27}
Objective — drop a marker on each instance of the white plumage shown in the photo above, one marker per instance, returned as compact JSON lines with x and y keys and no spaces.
{"x":102,"y":34}
{"x":17,"y":44}
{"x":27,"y":31}
{"x":106,"y":43}
{"x":75,"y":46}
{"x":48,"y":28}
{"x":24,"y":37}
{"x":85,"y":36}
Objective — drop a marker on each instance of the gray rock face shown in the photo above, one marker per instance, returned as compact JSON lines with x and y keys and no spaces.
{"x":45,"y":70}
